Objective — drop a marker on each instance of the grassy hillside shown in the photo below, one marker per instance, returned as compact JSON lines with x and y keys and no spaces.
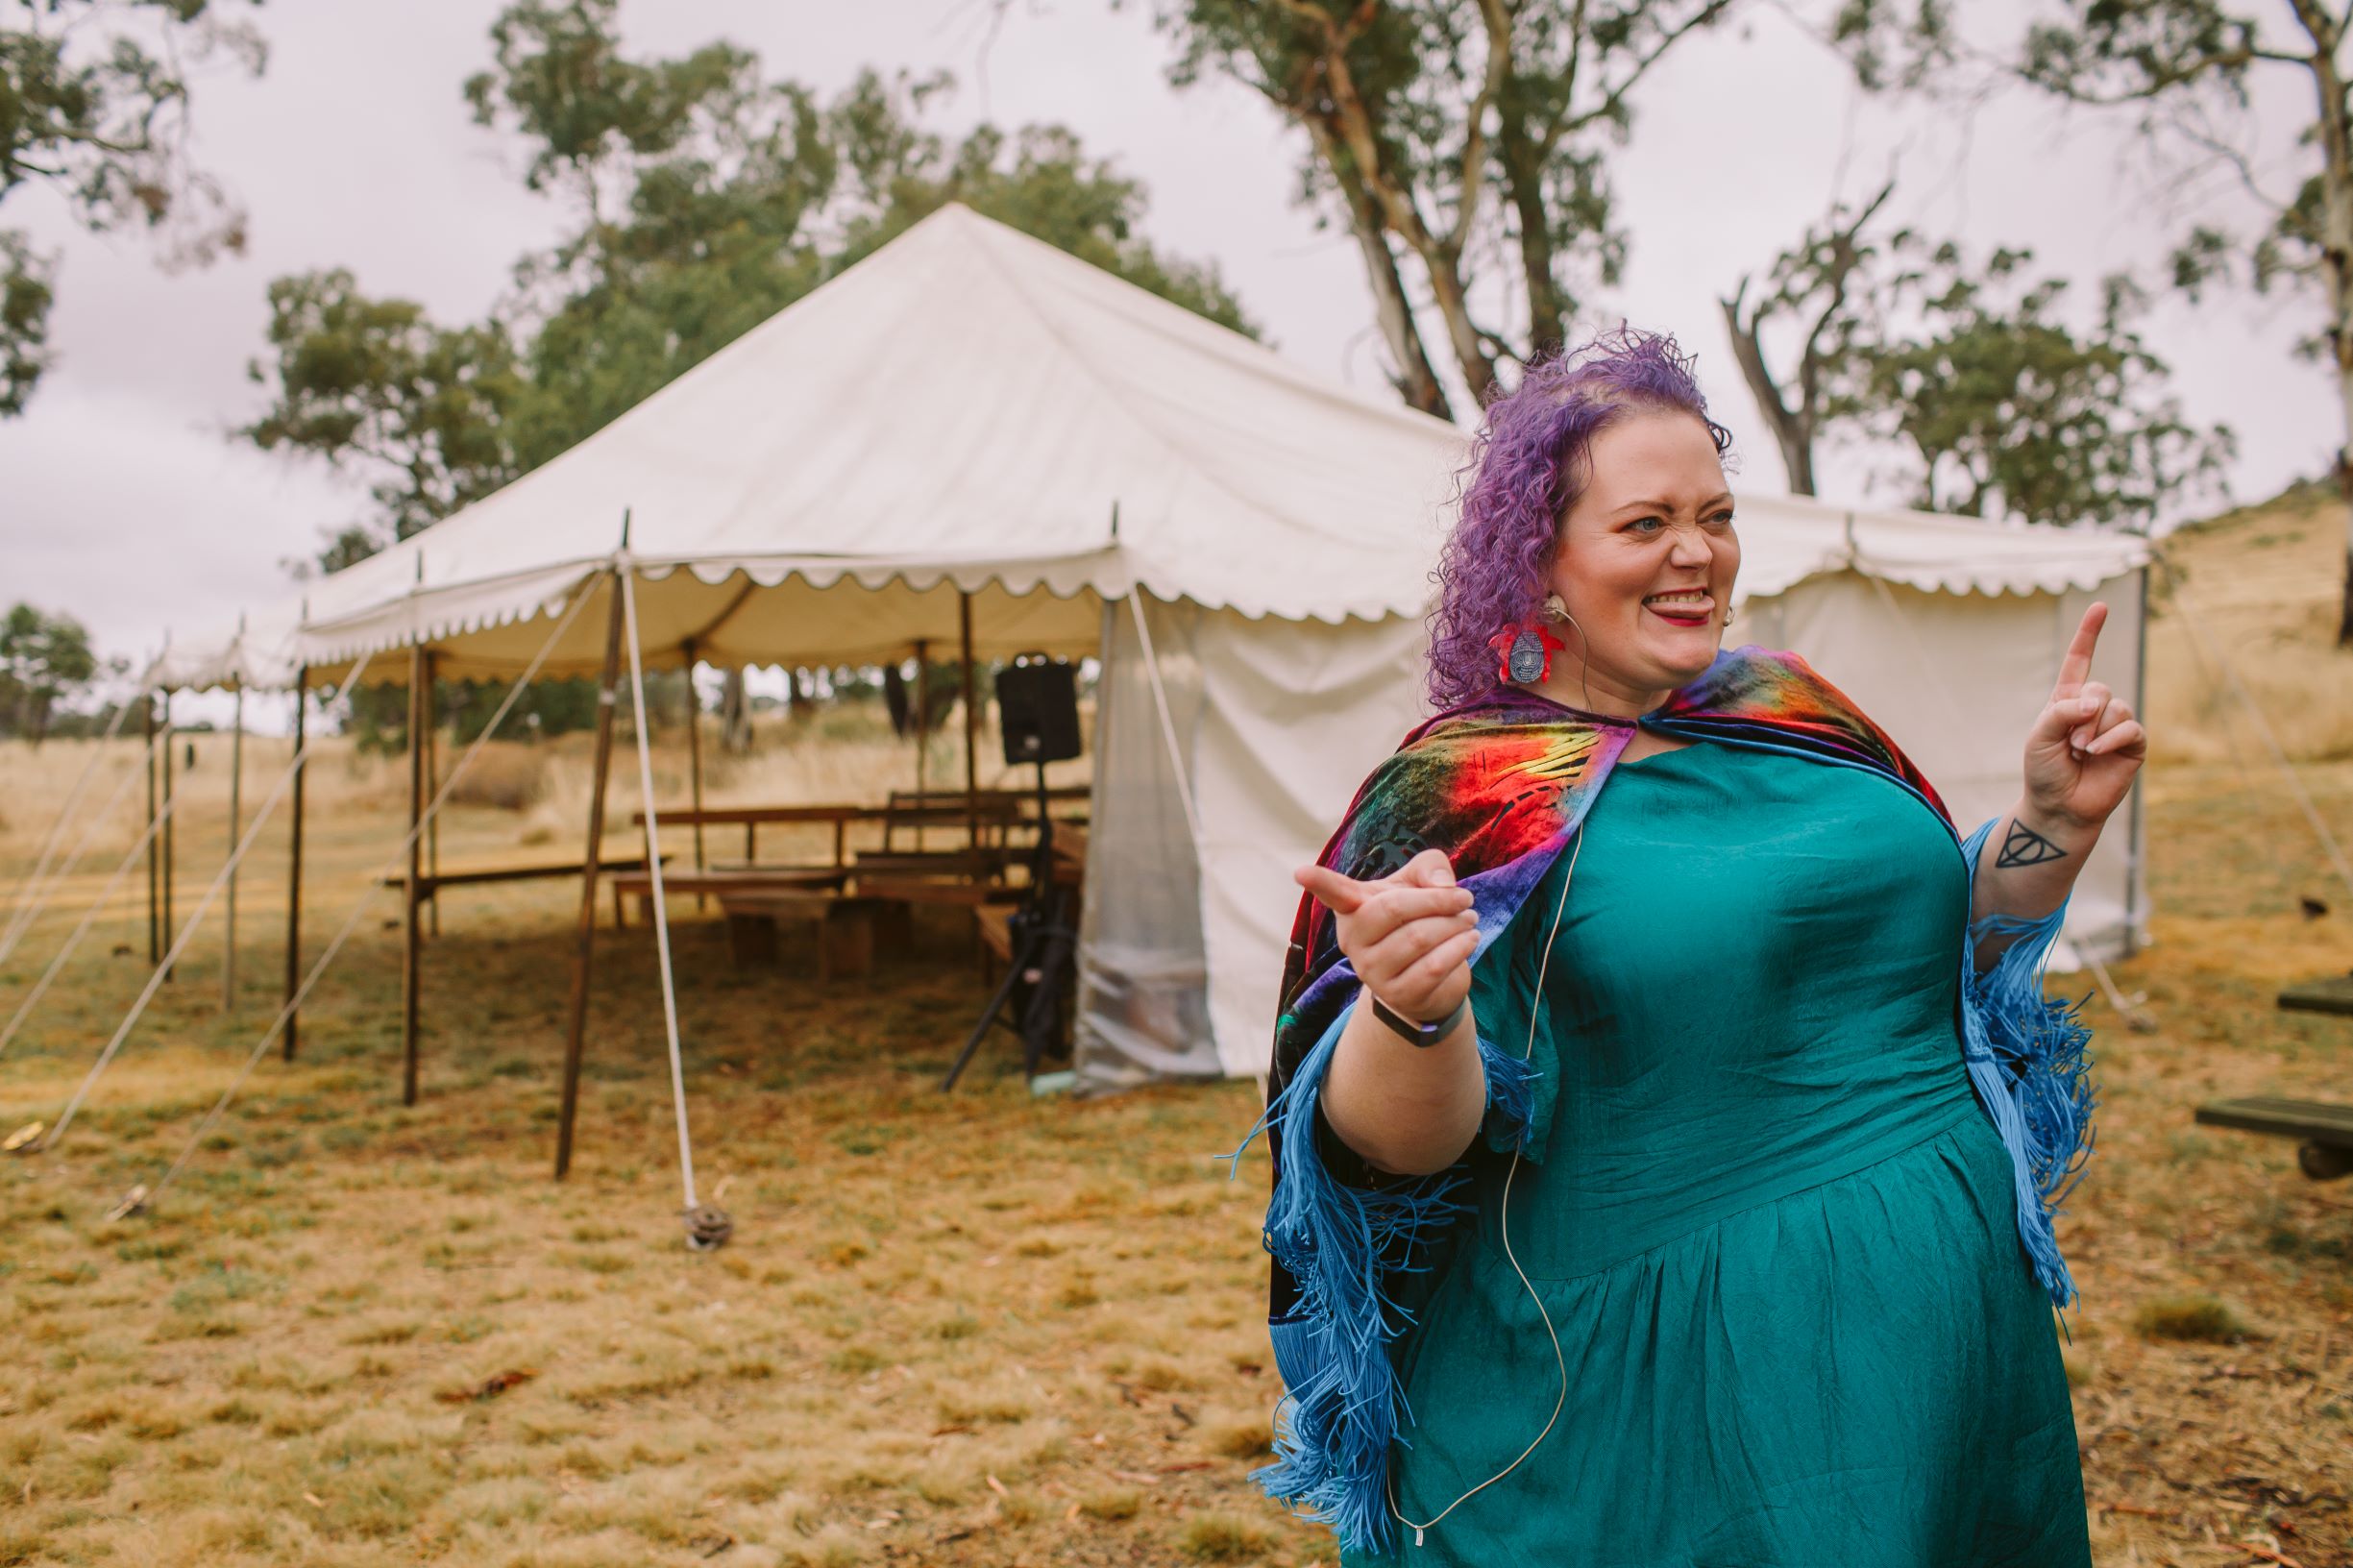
{"x":2263,"y":584}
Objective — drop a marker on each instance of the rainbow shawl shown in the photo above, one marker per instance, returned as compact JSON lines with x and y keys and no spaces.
{"x":1500,"y":784}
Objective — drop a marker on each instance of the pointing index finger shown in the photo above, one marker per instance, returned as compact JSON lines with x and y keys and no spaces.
{"x":2077,"y":667}
{"x":1338,"y":893}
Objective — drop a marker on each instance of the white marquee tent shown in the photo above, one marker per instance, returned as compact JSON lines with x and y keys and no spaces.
{"x":972,"y":422}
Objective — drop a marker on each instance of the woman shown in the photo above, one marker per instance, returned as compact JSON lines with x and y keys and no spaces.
{"x":1664,"y":1172}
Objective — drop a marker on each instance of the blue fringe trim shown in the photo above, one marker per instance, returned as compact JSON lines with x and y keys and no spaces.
{"x":1344,"y":1404}
{"x":2027,"y":1057}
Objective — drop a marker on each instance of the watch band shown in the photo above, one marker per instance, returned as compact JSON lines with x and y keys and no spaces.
{"x":1420,"y":1033}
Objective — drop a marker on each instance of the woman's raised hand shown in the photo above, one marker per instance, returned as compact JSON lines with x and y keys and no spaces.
{"x":1409,"y":935}
{"x":2086,"y":744}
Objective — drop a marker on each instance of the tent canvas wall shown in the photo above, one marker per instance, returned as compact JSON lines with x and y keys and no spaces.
{"x":1279,"y":724}
{"x":971,"y":420}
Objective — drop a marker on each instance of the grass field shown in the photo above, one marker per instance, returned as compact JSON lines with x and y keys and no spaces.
{"x":974,"y":1329}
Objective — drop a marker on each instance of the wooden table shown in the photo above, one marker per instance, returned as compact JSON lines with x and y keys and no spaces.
{"x":751,"y":818}
{"x":433,"y":882}
{"x":996,"y":810}
{"x":638,"y":884}
{"x":844,"y":925}
{"x":2325,"y":1131}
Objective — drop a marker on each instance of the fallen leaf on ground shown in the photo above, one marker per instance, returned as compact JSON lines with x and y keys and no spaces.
{"x":490,"y":1387}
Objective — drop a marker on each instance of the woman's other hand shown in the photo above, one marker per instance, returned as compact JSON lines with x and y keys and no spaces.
{"x":1409,"y":935}
{"x":2086,"y":745}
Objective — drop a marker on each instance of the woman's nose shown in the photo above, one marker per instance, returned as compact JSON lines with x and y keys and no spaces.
{"x":1690,"y":550}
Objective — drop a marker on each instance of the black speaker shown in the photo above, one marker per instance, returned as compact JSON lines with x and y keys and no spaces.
{"x":1036,"y":707}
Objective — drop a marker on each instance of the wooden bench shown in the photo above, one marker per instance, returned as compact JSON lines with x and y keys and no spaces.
{"x":845,"y":926}
{"x":995,"y":923}
{"x":2325,"y":1131}
{"x":984,"y":865}
{"x":430,"y":883}
{"x":991,"y":812}
{"x":2331,"y":993}
{"x":721,"y":884}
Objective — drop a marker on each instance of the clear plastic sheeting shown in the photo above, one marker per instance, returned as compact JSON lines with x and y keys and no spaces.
{"x":1144,"y":966}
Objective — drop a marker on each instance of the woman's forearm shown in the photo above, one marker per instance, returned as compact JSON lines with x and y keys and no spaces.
{"x":1407,"y":1109}
{"x":2026,"y":869}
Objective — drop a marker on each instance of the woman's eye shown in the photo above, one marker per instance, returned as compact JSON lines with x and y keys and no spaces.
{"x":1722,"y":520}
{"x":1646,"y":524}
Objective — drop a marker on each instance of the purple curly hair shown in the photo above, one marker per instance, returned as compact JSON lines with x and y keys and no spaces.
{"x":1526,"y":470}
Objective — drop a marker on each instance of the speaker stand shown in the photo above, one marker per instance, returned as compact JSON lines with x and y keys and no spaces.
{"x":1043,"y":947}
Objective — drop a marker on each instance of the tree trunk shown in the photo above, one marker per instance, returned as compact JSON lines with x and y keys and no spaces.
{"x":1352,"y":125}
{"x":1548,"y":309}
{"x":1791,"y":432}
{"x":2337,"y":273}
{"x":1412,"y":374}
{"x":2333,"y":130}
{"x":2344,"y":488}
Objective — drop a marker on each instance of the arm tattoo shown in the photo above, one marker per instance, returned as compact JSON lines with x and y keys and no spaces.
{"x":2022,"y":846}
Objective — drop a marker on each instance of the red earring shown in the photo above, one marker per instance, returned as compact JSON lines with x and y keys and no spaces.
{"x":1524,"y":654}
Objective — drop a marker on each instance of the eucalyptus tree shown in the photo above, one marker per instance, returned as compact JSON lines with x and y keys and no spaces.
{"x":1461,"y":142}
{"x":2190,"y":70}
{"x":94,"y":100}
{"x":1974,"y":371}
{"x":1824,"y":293}
{"x":702,"y":196}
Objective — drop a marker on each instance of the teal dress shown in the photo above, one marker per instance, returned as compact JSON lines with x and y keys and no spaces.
{"x":1772,"y":1228}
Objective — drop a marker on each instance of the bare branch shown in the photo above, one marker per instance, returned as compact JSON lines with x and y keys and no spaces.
{"x":1616,"y":95}
{"x":2235,"y":158}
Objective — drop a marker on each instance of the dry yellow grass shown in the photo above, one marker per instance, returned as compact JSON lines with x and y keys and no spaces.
{"x":978,"y":1329}
{"x":2265,"y":584}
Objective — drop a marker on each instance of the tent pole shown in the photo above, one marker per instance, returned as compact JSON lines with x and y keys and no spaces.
{"x":168,"y":846}
{"x":37,"y":887}
{"x":694,"y":768}
{"x":2133,"y":870}
{"x":628,"y":596}
{"x":921,"y":711}
{"x":432,"y":790}
{"x":89,"y":916}
{"x":294,"y":863}
{"x":410,"y":950}
{"x":972,"y":724}
{"x":236,"y":779}
{"x":180,"y":943}
{"x":198,"y":1135}
{"x":155,"y":864}
{"x":576,"y":1031}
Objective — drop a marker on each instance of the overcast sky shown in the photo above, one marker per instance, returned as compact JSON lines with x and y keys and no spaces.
{"x":124,"y":502}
